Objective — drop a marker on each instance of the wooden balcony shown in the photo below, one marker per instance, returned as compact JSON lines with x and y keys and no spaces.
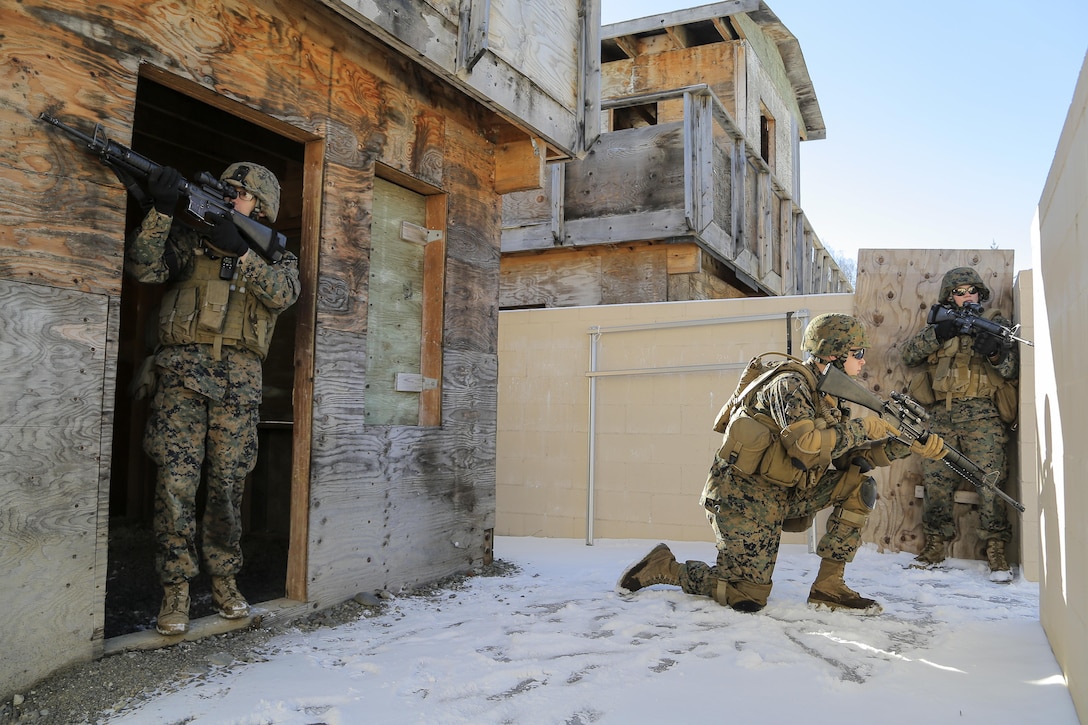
{"x":693,"y":180}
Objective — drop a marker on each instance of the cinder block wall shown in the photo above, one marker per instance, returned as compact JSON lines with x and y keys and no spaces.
{"x":662,"y":373}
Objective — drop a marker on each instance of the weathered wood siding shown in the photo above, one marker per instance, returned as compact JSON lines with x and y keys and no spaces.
{"x":703,"y":111}
{"x":714,"y":65}
{"x":56,"y":403}
{"x":386,"y":507}
{"x":615,"y":274}
{"x":895,"y":291}
{"x":529,"y":60}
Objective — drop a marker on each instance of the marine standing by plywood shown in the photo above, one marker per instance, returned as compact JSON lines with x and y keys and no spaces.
{"x":964,"y":375}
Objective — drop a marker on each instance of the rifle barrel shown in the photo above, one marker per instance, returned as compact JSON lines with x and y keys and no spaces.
{"x":75,"y":133}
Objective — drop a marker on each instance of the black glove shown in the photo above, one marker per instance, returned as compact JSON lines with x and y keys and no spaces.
{"x":224,"y":237}
{"x":946,"y":330}
{"x":986,"y":345}
{"x":164,"y":183}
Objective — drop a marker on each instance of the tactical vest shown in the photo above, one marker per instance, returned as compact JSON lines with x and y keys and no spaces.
{"x":209,"y":310}
{"x":754,"y":444}
{"x":956,"y":371}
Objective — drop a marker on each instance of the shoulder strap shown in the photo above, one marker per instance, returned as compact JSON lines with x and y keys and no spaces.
{"x":789,"y":365}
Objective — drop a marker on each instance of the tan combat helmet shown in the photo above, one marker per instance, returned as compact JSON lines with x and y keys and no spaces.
{"x":258,"y":181}
{"x":959,"y":277}
{"x":834,"y":334}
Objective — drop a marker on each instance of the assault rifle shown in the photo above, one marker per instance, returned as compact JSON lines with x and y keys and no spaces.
{"x":205,"y":198}
{"x":909,"y":417}
{"x":969,"y":321}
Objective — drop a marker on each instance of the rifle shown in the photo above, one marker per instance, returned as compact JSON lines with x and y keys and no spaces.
{"x":909,"y":418}
{"x":970,"y":322}
{"x":205,"y":199}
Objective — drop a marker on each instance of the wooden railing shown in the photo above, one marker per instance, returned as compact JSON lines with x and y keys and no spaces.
{"x":695,"y":178}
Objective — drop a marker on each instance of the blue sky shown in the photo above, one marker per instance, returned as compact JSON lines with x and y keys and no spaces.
{"x":942,"y":118}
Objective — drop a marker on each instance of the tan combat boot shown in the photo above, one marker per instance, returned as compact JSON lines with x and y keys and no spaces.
{"x":227,"y":599}
{"x":174,"y":614}
{"x":932,"y":553}
{"x":1000,"y":571}
{"x":830,"y":591}
{"x":657,"y":567}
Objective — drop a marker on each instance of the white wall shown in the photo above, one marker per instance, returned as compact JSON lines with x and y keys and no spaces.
{"x":1060,"y":250}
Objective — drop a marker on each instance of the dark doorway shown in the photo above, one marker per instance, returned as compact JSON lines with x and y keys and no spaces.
{"x":177,"y":130}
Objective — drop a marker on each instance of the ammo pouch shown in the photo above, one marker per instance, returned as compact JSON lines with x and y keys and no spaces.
{"x":751,"y":447}
{"x":208,"y":310}
{"x":778,"y":467}
{"x":213,"y":311}
{"x":798,"y":524}
{"x":746,"y":440}
{"x":921,"y":388}
{"x":1006,"y":400}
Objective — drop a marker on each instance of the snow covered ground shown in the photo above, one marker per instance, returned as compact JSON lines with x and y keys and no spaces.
{"x":554,"y":643}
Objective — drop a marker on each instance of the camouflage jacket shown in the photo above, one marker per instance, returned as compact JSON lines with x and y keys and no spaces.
{"x":163,"y":251}
{"x":788,"y":398}
{"x":924,"y":348}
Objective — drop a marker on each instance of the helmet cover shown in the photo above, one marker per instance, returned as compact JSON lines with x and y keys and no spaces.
{"x":959,"y":277}
{"x":834,"y":334}
{"x":258,"y":181}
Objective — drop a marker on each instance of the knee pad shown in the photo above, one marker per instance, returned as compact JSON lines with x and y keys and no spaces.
{"x":741,"y":596}
{"x":867,"y":492}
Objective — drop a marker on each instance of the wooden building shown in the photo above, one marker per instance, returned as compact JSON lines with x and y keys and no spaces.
{"x":395,"y":127}
{"x":692,"y":190}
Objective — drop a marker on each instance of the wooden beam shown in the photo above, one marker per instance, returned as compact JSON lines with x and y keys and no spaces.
{"x":680,"y":35}
{"x":434,"y":285}
{"x":474,"y":19}
{"x":303,"y":392}
{"x":519,"y":165}
{"x":683,"y":259}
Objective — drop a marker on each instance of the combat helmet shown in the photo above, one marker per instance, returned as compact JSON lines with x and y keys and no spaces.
{"x":257,"y":180}
{"x":959,"y":277}
{"x":833,"y":335}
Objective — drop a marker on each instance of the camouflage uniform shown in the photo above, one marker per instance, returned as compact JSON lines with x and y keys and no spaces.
{"x":750,"y":511}
{"x":788,"y":452}
{"x":205,"y":409}
{"x":967,"y":421}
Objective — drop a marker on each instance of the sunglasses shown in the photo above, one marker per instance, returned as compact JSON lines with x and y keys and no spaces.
{"x":964,"y":291}
{"x":857,"y":354}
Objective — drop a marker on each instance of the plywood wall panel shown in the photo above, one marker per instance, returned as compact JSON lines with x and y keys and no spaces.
{"x":895,"y":290}
{"x":50,"y":414}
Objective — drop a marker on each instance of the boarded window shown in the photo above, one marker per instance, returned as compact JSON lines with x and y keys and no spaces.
{"x":766,"y":136}
{"x":404,"y":309}
{"x":634,"y":116}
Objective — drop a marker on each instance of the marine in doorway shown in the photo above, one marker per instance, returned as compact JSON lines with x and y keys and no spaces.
{"x":215,"y":326}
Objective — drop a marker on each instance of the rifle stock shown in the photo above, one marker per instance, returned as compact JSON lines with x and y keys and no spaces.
{"x":909,"y":417}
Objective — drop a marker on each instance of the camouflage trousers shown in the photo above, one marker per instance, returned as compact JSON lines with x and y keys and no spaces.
{"x":982,"y":440}
{"x":748,"y":527}
{"x":188,"y":433}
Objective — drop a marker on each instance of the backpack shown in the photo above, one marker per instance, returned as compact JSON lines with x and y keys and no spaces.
{"x":752,"y":378}
{"x":752,"y":441}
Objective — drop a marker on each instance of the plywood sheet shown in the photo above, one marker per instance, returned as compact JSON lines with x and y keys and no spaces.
{"x":895,"y":289}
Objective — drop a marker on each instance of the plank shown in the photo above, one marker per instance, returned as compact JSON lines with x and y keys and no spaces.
{"x":541,"y":40}
{"x":54,"y":357}
{"x":634,"y":170}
